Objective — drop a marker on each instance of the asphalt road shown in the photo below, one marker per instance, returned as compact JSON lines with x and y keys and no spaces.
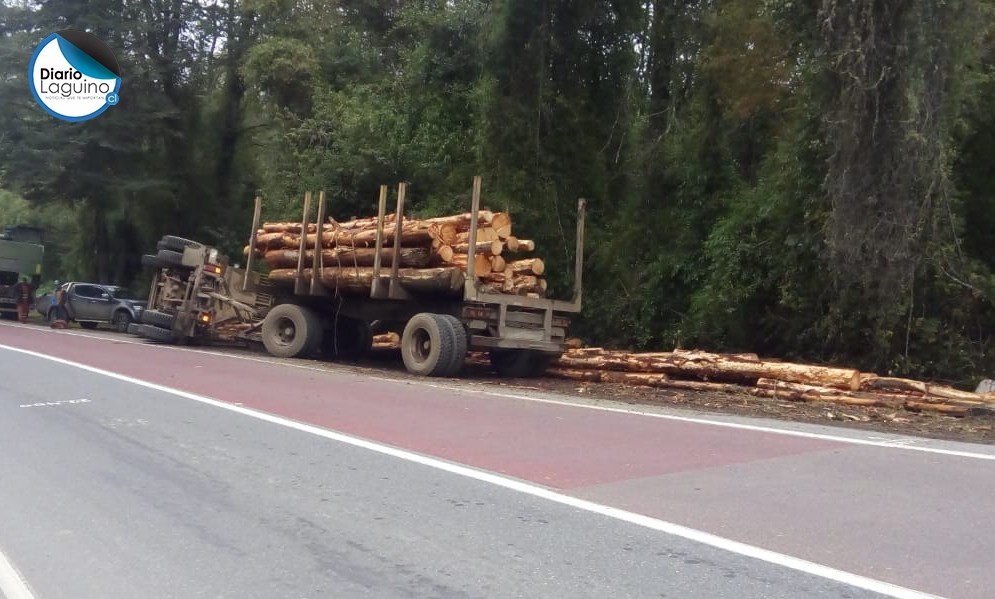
{"x":177,"y":473}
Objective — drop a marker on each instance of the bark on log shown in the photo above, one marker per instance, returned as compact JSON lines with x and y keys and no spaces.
{"x":488,"y":248}
{"x":641,"y":379}
{"x":345,"y":256}
{"x":926,"y":390}
{"x":529,"y":266}
{"x":716,"y":367}
{"x":359,"y":280}
{"x":523,"y":246}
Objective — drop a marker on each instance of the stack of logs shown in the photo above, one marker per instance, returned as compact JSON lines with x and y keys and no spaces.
{"x":433,"y":258}
{"x":736,"y":373}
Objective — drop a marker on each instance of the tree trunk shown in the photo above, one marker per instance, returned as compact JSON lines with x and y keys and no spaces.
{"x":359,"y":280}
{"x":410,"y":257}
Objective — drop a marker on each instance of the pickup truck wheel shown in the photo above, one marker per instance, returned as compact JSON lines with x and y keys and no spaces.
{"x":160,"y":319}
{"x":519,"y":363}
{"x":459,"y":336}
{"x":121,"y":320}
{"x":351,"y":339}
{"x":292,"y":331}
{"x":88,"y":325}
{"x":177,"y":244}
{"x":156,"y":334}
{"x":427,"y":345}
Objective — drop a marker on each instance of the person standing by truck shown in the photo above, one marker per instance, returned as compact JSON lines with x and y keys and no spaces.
{"x":26,"y":297}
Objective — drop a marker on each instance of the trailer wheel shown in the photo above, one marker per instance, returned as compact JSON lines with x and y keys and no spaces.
{"x":291,"y":331}
{"x":459,"y":344}
{"x":152,"y":261}
{"x":427,"y":345}
{"x":519,"y":363}
{"x":177,"y":244}
{"x":158,"y":318}
{"x":351,"y":339}
{"x":157,"y":334}
{"x":170,"y":257}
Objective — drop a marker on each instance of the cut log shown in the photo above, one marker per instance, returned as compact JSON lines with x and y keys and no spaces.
{"x":641,"y":379}
{"x":501,"y":223}
{"x":488,"y":248}
{"x":359,"y":280}
{"x":345,"y":256}
{"x":498,"y":264}
{"x":716,"y":367}
{"x":925,"y":390}
{"x":446,"y":253}
{"x":462,"y":221}
{"x":444,"y":233}
{"x":529,"y":266}
{"x":524,"y":246}
{"x":481,"y":264}
{"x":387,"y":341}
{"x":511,"y":243}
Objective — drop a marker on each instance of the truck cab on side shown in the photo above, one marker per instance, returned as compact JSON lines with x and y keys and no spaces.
{"x":21,"y":255}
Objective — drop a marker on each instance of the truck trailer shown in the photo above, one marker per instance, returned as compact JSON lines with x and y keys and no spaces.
{"x":197,"y":296}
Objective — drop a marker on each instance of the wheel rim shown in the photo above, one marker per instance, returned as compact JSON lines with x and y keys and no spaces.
{"x":286,"y":331}
{"x":421,"y":345}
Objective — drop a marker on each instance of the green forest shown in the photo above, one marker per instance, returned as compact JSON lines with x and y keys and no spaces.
{"x":806,"y":180}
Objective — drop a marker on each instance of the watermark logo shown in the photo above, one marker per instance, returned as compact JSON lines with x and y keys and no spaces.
{"x":74,"y":76}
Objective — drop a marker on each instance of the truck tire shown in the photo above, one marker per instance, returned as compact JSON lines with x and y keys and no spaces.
{"x":519,"y":363}
{"x":156,"y":334}
{"x":292,"y":331}
{"x":135,"y":329}
{"x":428,"y":345}
{"x":458,"y":332}
{"x":351,"y":339}
{"x":152,"y":261}
{"x":159,"y":319}
{"x":170,"y":257}
{"x":121,"y":319}
{"x":177,"y":244}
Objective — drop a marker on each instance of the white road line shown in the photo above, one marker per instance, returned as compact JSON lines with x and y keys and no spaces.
{"x":691,"y":534}
{"x":873,"y":439}
{"x":12,"y":586}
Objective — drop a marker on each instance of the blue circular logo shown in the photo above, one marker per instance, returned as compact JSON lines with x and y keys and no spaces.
{"x":74,"y":76}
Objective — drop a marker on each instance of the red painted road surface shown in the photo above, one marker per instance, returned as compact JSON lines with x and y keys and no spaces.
{"x":914,"y":519}
{"x":557,"y":446}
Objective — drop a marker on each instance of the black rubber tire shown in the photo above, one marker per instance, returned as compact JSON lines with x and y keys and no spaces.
{"x":460,"y":343}
{"x":121,"y":319}
{"x":152,"y":261}
{"x":519,"y":363}
{"x":170,"y":258}
{"x":89,"y":325}
{"x":350,"y":340}
{"x":135,"y":329}
{"x":177,"y":244}
{"x":427,"y":345}
{"x":159,"y":319}
{"x":157,"y":334}
{"x":292,"y":331}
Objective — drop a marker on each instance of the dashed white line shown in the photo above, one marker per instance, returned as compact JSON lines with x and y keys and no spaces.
{"x":691,"y":534}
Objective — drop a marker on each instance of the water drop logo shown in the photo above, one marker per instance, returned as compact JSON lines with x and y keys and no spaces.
{"x":74,"y":76}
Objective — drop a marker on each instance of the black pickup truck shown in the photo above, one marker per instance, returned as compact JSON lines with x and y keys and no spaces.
{"x":91,"y":304}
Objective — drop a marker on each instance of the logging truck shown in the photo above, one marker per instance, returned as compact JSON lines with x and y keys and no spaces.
{"x":338,"y":283}
{"x":21,"y":253}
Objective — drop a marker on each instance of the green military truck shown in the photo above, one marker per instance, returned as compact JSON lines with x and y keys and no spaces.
{"x":21,"y":253}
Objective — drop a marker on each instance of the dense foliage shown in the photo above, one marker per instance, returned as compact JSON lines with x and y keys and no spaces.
{"x":801,"y":179}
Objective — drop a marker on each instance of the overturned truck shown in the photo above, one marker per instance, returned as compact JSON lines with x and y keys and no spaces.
{"x":440,"y":284}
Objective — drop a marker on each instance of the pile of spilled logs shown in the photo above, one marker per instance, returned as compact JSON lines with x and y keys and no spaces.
{"x":736,"y":373}
{"x":433,"y":256}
